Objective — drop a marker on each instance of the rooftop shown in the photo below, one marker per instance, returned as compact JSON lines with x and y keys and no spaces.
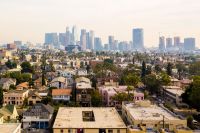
{"x":57,"y":92}
{"x":152,"y":112}
{"x":175,"y":91}
{"x":72,"y":117}
{"x":9,"y":127}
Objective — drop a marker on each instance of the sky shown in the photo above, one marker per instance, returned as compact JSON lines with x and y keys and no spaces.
{"x":29,"y":20}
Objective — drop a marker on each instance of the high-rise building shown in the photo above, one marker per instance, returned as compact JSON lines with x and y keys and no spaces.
{"x":138,"y":39}
{"x":68,"y":36}
{"x":189,"y":44}
{"x":92,"y":40}
{"x":83,"y":39}
{"x":177,"y":41}
{"x":169,"y":43}
{"x":18,"y":43}
{"x":111,"y":42}
{"x":51,"y":38}
{"x":162,"y":43}
{"x":98,"y":44}
{"x":88,"y":40}
{"x":74,"y":38}
{"x":62,"y":39}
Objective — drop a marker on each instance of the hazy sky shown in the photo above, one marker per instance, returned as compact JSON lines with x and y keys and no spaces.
{"x":28,"y":20}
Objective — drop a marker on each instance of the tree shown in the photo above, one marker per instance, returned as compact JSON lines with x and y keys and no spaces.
{"x":10,"y":64}
{"x":152,"y":83}
{"x":96,"y":99}
{"x":194,"y":69}
{"x":158,"y":68}
{"x":132,"y":80}
{"x":34,"y":58}
{"x":120,"y":97}
{"x":26,"y":67}
{"x":164,"y":79}
{"x":169,"y":69}
{"x":108,"y":61}
{"x":143,"y":72}
{"x":192,"y":93}
{"x":1,"y":96}
{"x":181,"y":69}
{"x":148,"y":70}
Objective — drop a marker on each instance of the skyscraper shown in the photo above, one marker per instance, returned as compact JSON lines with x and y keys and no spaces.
{"x":91,"y":40}
{"x":189,"y":44}
{"x":62,"y":38}
{"x":169,"y":43}
{"x":51,"y":38}
{"x":87,"y":40}
{"x":138,"y":39}
{"x":177,"y":41}
{"x":98,"y":44}
{"x":83,"y":39}
{"x":74,"y":38}
{"x":162,"y":43}
{"x":68,"y":37}
{"x":111,"y":42}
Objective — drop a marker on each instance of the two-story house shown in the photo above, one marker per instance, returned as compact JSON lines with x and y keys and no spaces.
{"x":61,"y":95}
{"x":83,"y":91}
{"x":59,"y":82}
{"x":38,"y":116}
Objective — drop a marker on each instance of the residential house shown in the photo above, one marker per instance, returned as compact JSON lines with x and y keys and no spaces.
{"x":38,"y":82}
{"x":39,"y":116}
{"x":34,"y":98}
{"x":5,"y":83}
{"x":83,"y":91}
{"x":9,"y":113}
{"x":59,"y":82}
{"x":22,"y":86}
{"x":15,"y":97}
{"x":61,"y":95}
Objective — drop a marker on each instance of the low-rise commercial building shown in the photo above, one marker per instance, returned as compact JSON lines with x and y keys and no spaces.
{"x":88,"y":120}
{"x":150,"y":116}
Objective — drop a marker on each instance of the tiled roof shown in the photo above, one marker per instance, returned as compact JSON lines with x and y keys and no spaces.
{"x":57,"y":92}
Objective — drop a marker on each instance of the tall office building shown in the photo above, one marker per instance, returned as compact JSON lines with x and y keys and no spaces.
{"x":189,"y":44}
{"x":98,"y":44}
{"x":83,"y":40}
{"x":111,"y":42}
{"x":169,"y":43}
{"x":87,"y":40}
{"x":177,"y":41}
{"x":92,"y":40}
{"x":162,"y":43}
{"x":51,"y":38}
{"x":68,"y":37}
{"x":62,"y":39}
{"x":74,"y":38}
{"x":138,"y":39}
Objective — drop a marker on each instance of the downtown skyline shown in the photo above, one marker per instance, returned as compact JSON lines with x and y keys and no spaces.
{"x":28,"y":21}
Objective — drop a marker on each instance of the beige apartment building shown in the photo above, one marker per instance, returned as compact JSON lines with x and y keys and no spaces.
{"x":151,"y":117}
{"x":15,"y":97}
{"x":88,"y":120}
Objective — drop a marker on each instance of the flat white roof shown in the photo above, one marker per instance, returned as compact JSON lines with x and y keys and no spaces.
{"x":9,"y":127}
{"x":71,"y":117}
{"x":153,"y":112}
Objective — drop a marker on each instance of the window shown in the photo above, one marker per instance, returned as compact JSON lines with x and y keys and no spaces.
{"x":61,"y":131}
{"x":118,"y":130}
{"x":70,"y":131}
{"x":110,"y":131}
